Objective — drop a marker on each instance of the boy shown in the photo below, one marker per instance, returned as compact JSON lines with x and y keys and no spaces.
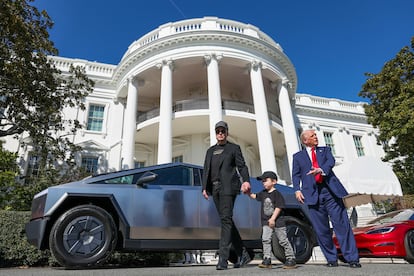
{"x":272,"y":204}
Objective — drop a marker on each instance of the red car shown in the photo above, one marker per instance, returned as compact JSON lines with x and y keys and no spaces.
{"x":390,"y":235}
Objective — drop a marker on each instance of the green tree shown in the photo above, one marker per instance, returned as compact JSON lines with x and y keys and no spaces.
{"x":33,"y":92}
{"x":8,"y":173}
{"x":17,"y":196}
{"x":391,"y":109}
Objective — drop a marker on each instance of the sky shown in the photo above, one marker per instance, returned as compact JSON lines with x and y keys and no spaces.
{"x":332,"y":44}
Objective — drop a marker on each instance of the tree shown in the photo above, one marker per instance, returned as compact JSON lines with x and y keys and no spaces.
{"x":391,"y":110}
{"x":33,"y":92}
{"x":8,"y":172}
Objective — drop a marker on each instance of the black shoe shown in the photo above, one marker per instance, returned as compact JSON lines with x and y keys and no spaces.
{"x":243,"y":260}
{"x":332,"y":264}
{"x":267,"y":263}
{"x":289,"y":264}
{"x":354,"y":265}
{"x":221,"y":265}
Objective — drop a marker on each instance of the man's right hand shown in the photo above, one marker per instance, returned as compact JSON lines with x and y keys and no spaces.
{"x":246,"y":188}
{"x":299,"y":196}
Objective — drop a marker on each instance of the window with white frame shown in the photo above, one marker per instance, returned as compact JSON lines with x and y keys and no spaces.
{"x":178,"y":158}
{"x":139,"y":164}
{"x":90,"y":164}
{"x":358,"y":145}
{"x":329,"y":141}
{"x":95,"y":117}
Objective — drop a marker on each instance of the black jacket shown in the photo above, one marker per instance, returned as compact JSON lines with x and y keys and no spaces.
{"x":233,"y":170}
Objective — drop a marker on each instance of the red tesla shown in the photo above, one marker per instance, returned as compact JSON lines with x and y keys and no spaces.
{"x":390,"y":235}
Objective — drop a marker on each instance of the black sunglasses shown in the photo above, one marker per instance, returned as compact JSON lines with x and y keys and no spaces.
{"x":223,"y":131}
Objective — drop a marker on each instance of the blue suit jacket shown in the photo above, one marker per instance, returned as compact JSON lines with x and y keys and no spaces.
{"x":301,"y":166}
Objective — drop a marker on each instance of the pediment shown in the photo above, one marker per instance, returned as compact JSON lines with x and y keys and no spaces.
{"x":90,"y":144}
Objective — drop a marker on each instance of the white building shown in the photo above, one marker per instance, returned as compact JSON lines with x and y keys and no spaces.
{"x":161,"y":102}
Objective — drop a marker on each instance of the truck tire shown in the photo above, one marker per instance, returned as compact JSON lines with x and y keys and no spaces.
{"x":83,"y":236}
{"x":300,"y":237}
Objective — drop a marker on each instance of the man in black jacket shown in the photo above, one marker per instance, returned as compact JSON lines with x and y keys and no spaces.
{"x":224,"y":166}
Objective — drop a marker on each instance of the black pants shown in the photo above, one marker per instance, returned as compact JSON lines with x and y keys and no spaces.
{"x":230,"y":236}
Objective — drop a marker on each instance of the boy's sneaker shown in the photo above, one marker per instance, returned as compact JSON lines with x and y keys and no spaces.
{"x":267,"y":263}
{"x":289,"y":264}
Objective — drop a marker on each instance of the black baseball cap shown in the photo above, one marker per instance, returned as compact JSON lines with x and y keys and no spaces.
{"x":222,"y":124}
{"x":267,"y":174}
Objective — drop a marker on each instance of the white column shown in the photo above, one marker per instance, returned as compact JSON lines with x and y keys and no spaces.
{"x":267,"y":154}
{"x":288,"y":121}
{"x":165,"y":128}
{"x":130,"y":125}
{"x":214,"y":93}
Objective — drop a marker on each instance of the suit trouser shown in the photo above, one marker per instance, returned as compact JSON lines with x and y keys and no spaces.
{"x":331,"y":207}
{"x":230,"y":236}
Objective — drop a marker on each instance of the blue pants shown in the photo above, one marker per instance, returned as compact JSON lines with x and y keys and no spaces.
{"x":331,"y":207}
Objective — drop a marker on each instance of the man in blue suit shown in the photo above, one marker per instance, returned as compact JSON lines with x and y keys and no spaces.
{"x":322,"y":191}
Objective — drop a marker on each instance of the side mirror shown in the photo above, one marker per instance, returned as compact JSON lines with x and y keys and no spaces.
{"x":145,"y":178}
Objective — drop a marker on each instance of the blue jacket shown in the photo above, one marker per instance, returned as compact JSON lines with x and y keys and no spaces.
{"x":301,"y":166}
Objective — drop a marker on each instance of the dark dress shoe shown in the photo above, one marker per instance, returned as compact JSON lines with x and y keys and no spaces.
{"x":332,"y":264}
{"x":354,"y":265}
{"x":221,"y":265}
{"x":243,"y":260}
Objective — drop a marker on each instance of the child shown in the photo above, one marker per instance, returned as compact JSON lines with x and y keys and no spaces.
{"x":272,"y":203}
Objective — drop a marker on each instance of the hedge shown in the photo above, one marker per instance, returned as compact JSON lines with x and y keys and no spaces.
{"x":14,"y":248}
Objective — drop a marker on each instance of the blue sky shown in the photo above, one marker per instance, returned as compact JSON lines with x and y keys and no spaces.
{"x":331,"y":43}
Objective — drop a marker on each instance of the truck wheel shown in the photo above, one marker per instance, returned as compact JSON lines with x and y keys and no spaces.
{"x":299,"y":235}
{"x":83,"y":236}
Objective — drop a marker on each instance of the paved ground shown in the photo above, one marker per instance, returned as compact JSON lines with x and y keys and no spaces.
{"x":314,"y":267}
{"x":309,"y":269}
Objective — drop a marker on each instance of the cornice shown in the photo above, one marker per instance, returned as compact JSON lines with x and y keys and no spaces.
{"x":100,"y":73}
{"x":312,"y":105}
{"x":320,"y":112}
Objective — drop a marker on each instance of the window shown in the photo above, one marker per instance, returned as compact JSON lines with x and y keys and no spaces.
{"x":90,"y":164}
{"x":139,"y":164}
{"x":197,"y":177}
{"x":174,"y":176}
{"x":358,"y":145}
{"x":33,"y":165}
{"x":95,"y":117}
{"x":177,"y":159}
{"x":127,"y":179}
{"x":329,"y":141}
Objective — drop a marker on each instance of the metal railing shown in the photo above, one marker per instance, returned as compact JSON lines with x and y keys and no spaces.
{"x":197,"y":104}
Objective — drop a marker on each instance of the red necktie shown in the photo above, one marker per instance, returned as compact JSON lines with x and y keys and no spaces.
{"x":318,"y":177}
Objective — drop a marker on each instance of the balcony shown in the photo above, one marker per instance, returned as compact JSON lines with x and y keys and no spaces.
{"x":185,"y":105}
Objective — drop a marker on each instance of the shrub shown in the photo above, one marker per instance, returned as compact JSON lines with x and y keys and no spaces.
{"x":14,"y":248}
